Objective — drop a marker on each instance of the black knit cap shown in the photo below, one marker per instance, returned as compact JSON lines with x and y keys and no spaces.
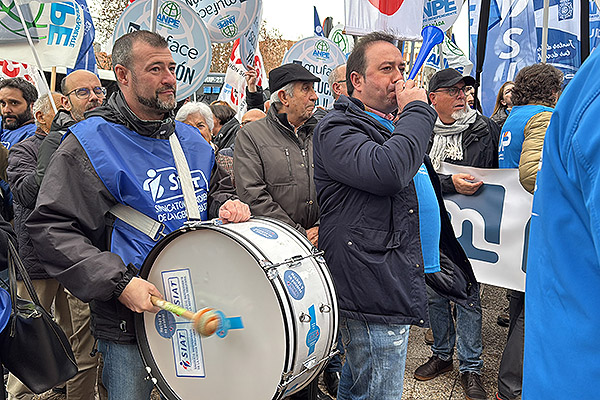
{"x":287,"y":73}
{"x":447,"y":78}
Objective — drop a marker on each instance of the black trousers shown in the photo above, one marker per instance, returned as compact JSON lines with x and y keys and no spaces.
{"x":510,"y":374}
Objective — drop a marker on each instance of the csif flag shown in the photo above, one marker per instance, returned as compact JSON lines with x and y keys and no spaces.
{"x":57,"y":29}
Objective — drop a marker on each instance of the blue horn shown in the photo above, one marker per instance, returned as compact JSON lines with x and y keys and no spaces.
{"x":432,"y":35}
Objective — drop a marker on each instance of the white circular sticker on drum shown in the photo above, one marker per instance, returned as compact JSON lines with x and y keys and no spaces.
{"x":187,"y":38}
{"x":264,"y":232}
{"x":226,"y":20}
{"x":294,"y":284}
{"x":164,"y":322}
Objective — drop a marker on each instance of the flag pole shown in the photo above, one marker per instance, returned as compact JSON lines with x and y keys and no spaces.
{"x":545,"y":31}
{"x":35,"y":54}
{"x":585,"y":29}
{"x":153,"y":15}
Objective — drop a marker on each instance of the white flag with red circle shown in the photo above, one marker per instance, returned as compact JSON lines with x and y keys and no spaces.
{"x":402,"y":18}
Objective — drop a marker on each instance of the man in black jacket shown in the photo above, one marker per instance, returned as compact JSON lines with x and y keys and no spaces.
{"x":383,"y":222}
{"x":94,"y":255}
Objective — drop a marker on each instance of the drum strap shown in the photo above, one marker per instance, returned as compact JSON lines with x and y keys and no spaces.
{"x":140,"y":221}
{"x":149,"y":226}
{"x":185,"y":177}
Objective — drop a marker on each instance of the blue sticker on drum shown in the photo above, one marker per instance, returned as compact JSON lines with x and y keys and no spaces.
{"x":264,"y":232}
{"x":314,"y":333}
{"x":294,"y":284}
{"x":164,"y":322}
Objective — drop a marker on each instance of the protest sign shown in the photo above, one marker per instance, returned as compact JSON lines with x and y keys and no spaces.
{"x":186,"y":35}
{"x":343,"y":41}
{"x":493,"y":225}
{"x":441,"y":13}
{"x":319,"y":56}
{"x":226,"y":20}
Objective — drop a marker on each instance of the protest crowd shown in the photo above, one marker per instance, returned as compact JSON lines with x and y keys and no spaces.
{"x":102,"y":190}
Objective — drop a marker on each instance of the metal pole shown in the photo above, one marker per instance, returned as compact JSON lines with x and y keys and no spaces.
{"x":153,"y":15}
{"x":35,"y":54}
{"x":545,"y":31}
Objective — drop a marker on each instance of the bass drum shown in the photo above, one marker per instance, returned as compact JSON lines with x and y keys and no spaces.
{"x":262,"y":271}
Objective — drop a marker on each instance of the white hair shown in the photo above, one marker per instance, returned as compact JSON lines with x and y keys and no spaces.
{"x":288,"y":89}
{"x":194,"y":107}
{"x":334,"y":76}
{"x":43,"y":105}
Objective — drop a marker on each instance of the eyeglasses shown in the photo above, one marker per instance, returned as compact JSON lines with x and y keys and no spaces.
{"x":84,"y":93}
{"x":343,"y":81}
{"x":453,"y":91}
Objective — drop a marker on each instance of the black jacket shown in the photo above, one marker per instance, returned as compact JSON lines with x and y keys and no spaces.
{"x":370,"y":217}
{"x":226,"y":136}
{"x":22,"y":164}
{"x":480,"y":149}
{"x":71,"y":227}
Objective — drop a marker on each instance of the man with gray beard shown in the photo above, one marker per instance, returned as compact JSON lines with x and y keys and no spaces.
{"x":464,"y":137}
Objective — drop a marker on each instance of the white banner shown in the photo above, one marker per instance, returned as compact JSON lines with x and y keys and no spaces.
{"x":234,"y":87}
{"x":13,"y":69}
{"x":56,"y":28}
{"x":343,"y":41}
{"x":402,"y":18}
{"x":453,"y":58}
{"x":492,"y":225}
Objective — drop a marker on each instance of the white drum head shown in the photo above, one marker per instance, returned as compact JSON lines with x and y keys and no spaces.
{"x":208,"y":268}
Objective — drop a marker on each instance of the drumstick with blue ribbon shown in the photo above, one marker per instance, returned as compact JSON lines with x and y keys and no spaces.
{"x":206,"y":321}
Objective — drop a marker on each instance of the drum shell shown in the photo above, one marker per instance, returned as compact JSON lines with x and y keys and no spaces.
{"x":262,"y":270}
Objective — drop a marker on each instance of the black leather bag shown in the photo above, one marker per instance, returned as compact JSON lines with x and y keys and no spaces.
{"x":32,"y":346}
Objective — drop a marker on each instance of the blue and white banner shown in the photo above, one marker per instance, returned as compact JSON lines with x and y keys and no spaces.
{"x":563,"y":49}
{"x":492,"y":225}
{"x":186,"y":36}
{"x":515,"y":36}
{"x":56,"y":28}
{"x":87,"y":57}
{"x":318,"y":27}
{"x":320,"y":56}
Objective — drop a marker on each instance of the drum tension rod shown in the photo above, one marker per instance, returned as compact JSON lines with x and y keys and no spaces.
{"x":295,"y":260}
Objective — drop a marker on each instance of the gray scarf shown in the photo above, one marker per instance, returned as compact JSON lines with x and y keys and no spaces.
{"x":447,"y":139}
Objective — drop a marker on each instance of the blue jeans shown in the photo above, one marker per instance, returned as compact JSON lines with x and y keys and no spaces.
{"x":468,"y":330}
{"x":375,"y":360}
{"x":124,"y":374}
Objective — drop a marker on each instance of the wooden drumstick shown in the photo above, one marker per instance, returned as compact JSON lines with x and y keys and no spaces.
{"x":205,"y":321}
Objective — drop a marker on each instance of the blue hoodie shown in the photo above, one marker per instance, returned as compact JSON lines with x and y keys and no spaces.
{"x":562,"y":302}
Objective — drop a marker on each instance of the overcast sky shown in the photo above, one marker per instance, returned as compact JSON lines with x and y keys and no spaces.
{"x":294,"y":19}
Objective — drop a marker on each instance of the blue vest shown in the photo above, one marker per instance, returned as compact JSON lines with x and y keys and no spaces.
{"x":513,"y":134}
{"x":140,"y":172}
{"x":10,"y":138}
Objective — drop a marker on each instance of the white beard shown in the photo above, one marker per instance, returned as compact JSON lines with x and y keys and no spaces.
{"x":459,"y":114}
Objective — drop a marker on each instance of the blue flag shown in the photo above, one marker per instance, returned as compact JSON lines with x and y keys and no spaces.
{"x":87,"y":57}
{"x":318,"y":27}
